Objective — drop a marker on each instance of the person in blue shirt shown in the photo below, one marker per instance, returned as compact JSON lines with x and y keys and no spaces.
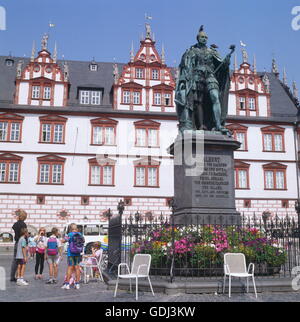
{"x":73,"y":260}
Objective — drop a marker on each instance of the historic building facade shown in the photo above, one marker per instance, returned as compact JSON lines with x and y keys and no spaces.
{"x":76,"y":137}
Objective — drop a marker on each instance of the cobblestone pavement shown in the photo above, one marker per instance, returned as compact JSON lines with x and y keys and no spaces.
{"x":39,"y":291}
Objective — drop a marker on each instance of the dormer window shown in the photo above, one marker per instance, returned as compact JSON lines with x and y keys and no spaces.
{"x":93,"y":67}
{"x":90,"y":97}
{"x":9,"y":62}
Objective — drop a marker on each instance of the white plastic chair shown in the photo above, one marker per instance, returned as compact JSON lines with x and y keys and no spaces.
{"x":140,"y":269}
{"x":235,"y":266}
{"x":98,"y":264}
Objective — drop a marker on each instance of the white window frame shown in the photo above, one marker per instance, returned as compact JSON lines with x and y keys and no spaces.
{"x":96,"y":97}
{"x":242,"y":178}
{"x":47,"y":93}
{"x":126,"y":97}
{"x":109,"y":135}
{"x":243,"y":103}
{"x":140,"y":176}
{"x":155,"y":74}
{"x":98,"y":135}
{"x":107,"y":175}
{"x":152,"y":137}
{"x":278,"y":144}
{"x":15,"y":132}
{"x":2,"y":171}
{"x":136,"y":98}
{"x":139,"y":73}
{"x":268,"y":142}
{"x":57,"y":173}
{"x":252,"y":104}
{"x":241,"y":137}
{"x":141,"y":137}
{"x":3,"y":131}
{"x":157,"y":98}
{"x":45,"y":173}
{"x":269,"y":179}
{"x":46,"y":128}
{"x":90,"y":97}
{"x":58,"y":132}
{"x":36,"y":92}
{"x":95,"y":175}
{"x":93,"y":67}
{"x":152,"y":176}
{"x":84,"y":97}
{"x":13,"y":175}
{"x":167,"y":96}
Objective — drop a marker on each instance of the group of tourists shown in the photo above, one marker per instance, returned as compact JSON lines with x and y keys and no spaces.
{"x":50,"y":249}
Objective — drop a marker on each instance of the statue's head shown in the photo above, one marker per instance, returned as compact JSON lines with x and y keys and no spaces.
{"x":202,"y":36}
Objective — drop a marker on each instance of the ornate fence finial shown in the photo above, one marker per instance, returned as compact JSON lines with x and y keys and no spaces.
{"x":121,"y":207}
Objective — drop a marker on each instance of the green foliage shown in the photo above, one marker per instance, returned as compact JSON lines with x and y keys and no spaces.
{"x":204,"y":246}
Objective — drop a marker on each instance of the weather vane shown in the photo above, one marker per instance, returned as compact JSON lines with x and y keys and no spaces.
{"x":147,"y":17}
{"x":244,"y":52}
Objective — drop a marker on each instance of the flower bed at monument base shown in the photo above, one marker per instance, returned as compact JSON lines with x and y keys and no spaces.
{"x":199,"y":250}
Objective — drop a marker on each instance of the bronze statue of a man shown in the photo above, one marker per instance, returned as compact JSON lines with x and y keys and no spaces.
{"x":202,"y":87}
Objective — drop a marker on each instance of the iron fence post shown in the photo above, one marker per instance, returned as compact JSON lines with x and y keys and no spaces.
{"x":173,"y":208}
{"x":297,"y":207}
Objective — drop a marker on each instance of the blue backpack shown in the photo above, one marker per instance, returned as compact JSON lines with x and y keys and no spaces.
{"x":76,"y":244}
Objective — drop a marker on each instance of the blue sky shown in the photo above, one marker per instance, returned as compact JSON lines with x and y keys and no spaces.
{"x":104,"y":29}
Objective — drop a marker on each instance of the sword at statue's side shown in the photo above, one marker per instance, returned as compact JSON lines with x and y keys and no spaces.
{"x":232,"y":48}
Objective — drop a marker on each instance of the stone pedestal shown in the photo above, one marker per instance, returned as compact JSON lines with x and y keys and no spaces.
{"x":207,"y":198}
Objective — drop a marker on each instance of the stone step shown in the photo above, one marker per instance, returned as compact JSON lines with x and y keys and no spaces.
{"x":206,"y":287}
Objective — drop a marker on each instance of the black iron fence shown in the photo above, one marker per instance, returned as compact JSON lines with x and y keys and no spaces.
{"x":196,"y":250}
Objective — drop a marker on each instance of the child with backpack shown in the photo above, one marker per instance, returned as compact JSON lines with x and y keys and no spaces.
{"x":41,"y":241}
{"x":53,"y":253}
{"x":21,"y":257}
{"x":75,"y":249}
